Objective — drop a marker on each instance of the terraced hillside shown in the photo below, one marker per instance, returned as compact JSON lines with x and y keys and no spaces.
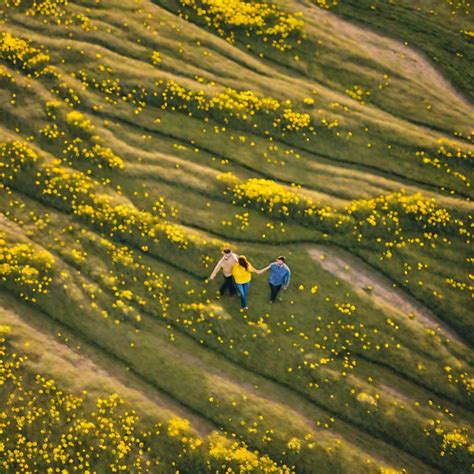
{"x":138,"y":138}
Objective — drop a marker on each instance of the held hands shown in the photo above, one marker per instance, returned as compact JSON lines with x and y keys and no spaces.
{"x":263,"y":270}
{"x":266,"y":269}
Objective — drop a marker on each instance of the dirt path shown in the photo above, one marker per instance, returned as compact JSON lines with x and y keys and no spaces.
{"x":376,"y":286}
{"x":411,"y":62}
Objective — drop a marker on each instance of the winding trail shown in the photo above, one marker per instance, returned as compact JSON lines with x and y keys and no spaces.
{"x":372,"y":284}
{"x":408,"y":59}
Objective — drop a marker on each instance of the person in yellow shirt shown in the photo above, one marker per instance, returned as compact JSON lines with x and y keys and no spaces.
{"x":242,"y":273}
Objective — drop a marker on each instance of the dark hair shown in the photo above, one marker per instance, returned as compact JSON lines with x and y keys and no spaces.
{"x":243,"y":262}
{"x":281,"y":258}
{"x":226,"y":250}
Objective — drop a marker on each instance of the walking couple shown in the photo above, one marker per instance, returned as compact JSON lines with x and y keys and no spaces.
{"x":237,"y":271}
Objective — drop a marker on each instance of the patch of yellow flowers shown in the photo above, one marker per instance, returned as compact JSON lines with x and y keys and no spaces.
{"x":15,"y":157}
{"x":327,"y":4}
{"x":78,"y":142}
{"x":241,"y":104}
{"x":81,"y":195}
{"x":19,"y":52}
{"x":78,"y":120}
{"x":54,"y":8}
{"x":24,"y":269}
{"x":389,"y":217}
{"x":55,"y":11}
{"x":358,"y":93}
{"x":46,"y":429}
{"x":451,"y":158}
{"x":75,"y":192}
{"x":452,"y":441}
{"x":273,"y":196}
{"x":96,"y":154}
{"x":295,"y":121}
{"x":221,"y":448}
{"x":457,"y":5}
{"x":262,"y":19}
{"x":171,"y":95}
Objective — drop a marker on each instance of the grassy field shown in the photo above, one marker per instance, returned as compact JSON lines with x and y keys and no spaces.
{"x":445,"y":37}
{"x":138,"y":139}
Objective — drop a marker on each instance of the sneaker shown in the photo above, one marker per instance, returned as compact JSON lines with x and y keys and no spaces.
{"x":246,"y":308}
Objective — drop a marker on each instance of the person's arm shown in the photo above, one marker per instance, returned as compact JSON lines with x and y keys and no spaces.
{"x":216,"y":269}
{"x":286,"y":281}
{"x":263,"y":270}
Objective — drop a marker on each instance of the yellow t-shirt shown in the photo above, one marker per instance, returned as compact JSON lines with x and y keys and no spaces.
{"x":241,"y":275}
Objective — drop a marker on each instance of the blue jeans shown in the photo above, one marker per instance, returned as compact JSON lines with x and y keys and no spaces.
{"x":243,"y":290}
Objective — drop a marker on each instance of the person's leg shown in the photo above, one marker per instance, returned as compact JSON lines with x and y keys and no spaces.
{"x":223,"y":286}
{"x":241,"y":292}
{"x":228,"y":283}
{"x":232,"y":289}
{"x":245,"y":288}
{"x":274,"y":290}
